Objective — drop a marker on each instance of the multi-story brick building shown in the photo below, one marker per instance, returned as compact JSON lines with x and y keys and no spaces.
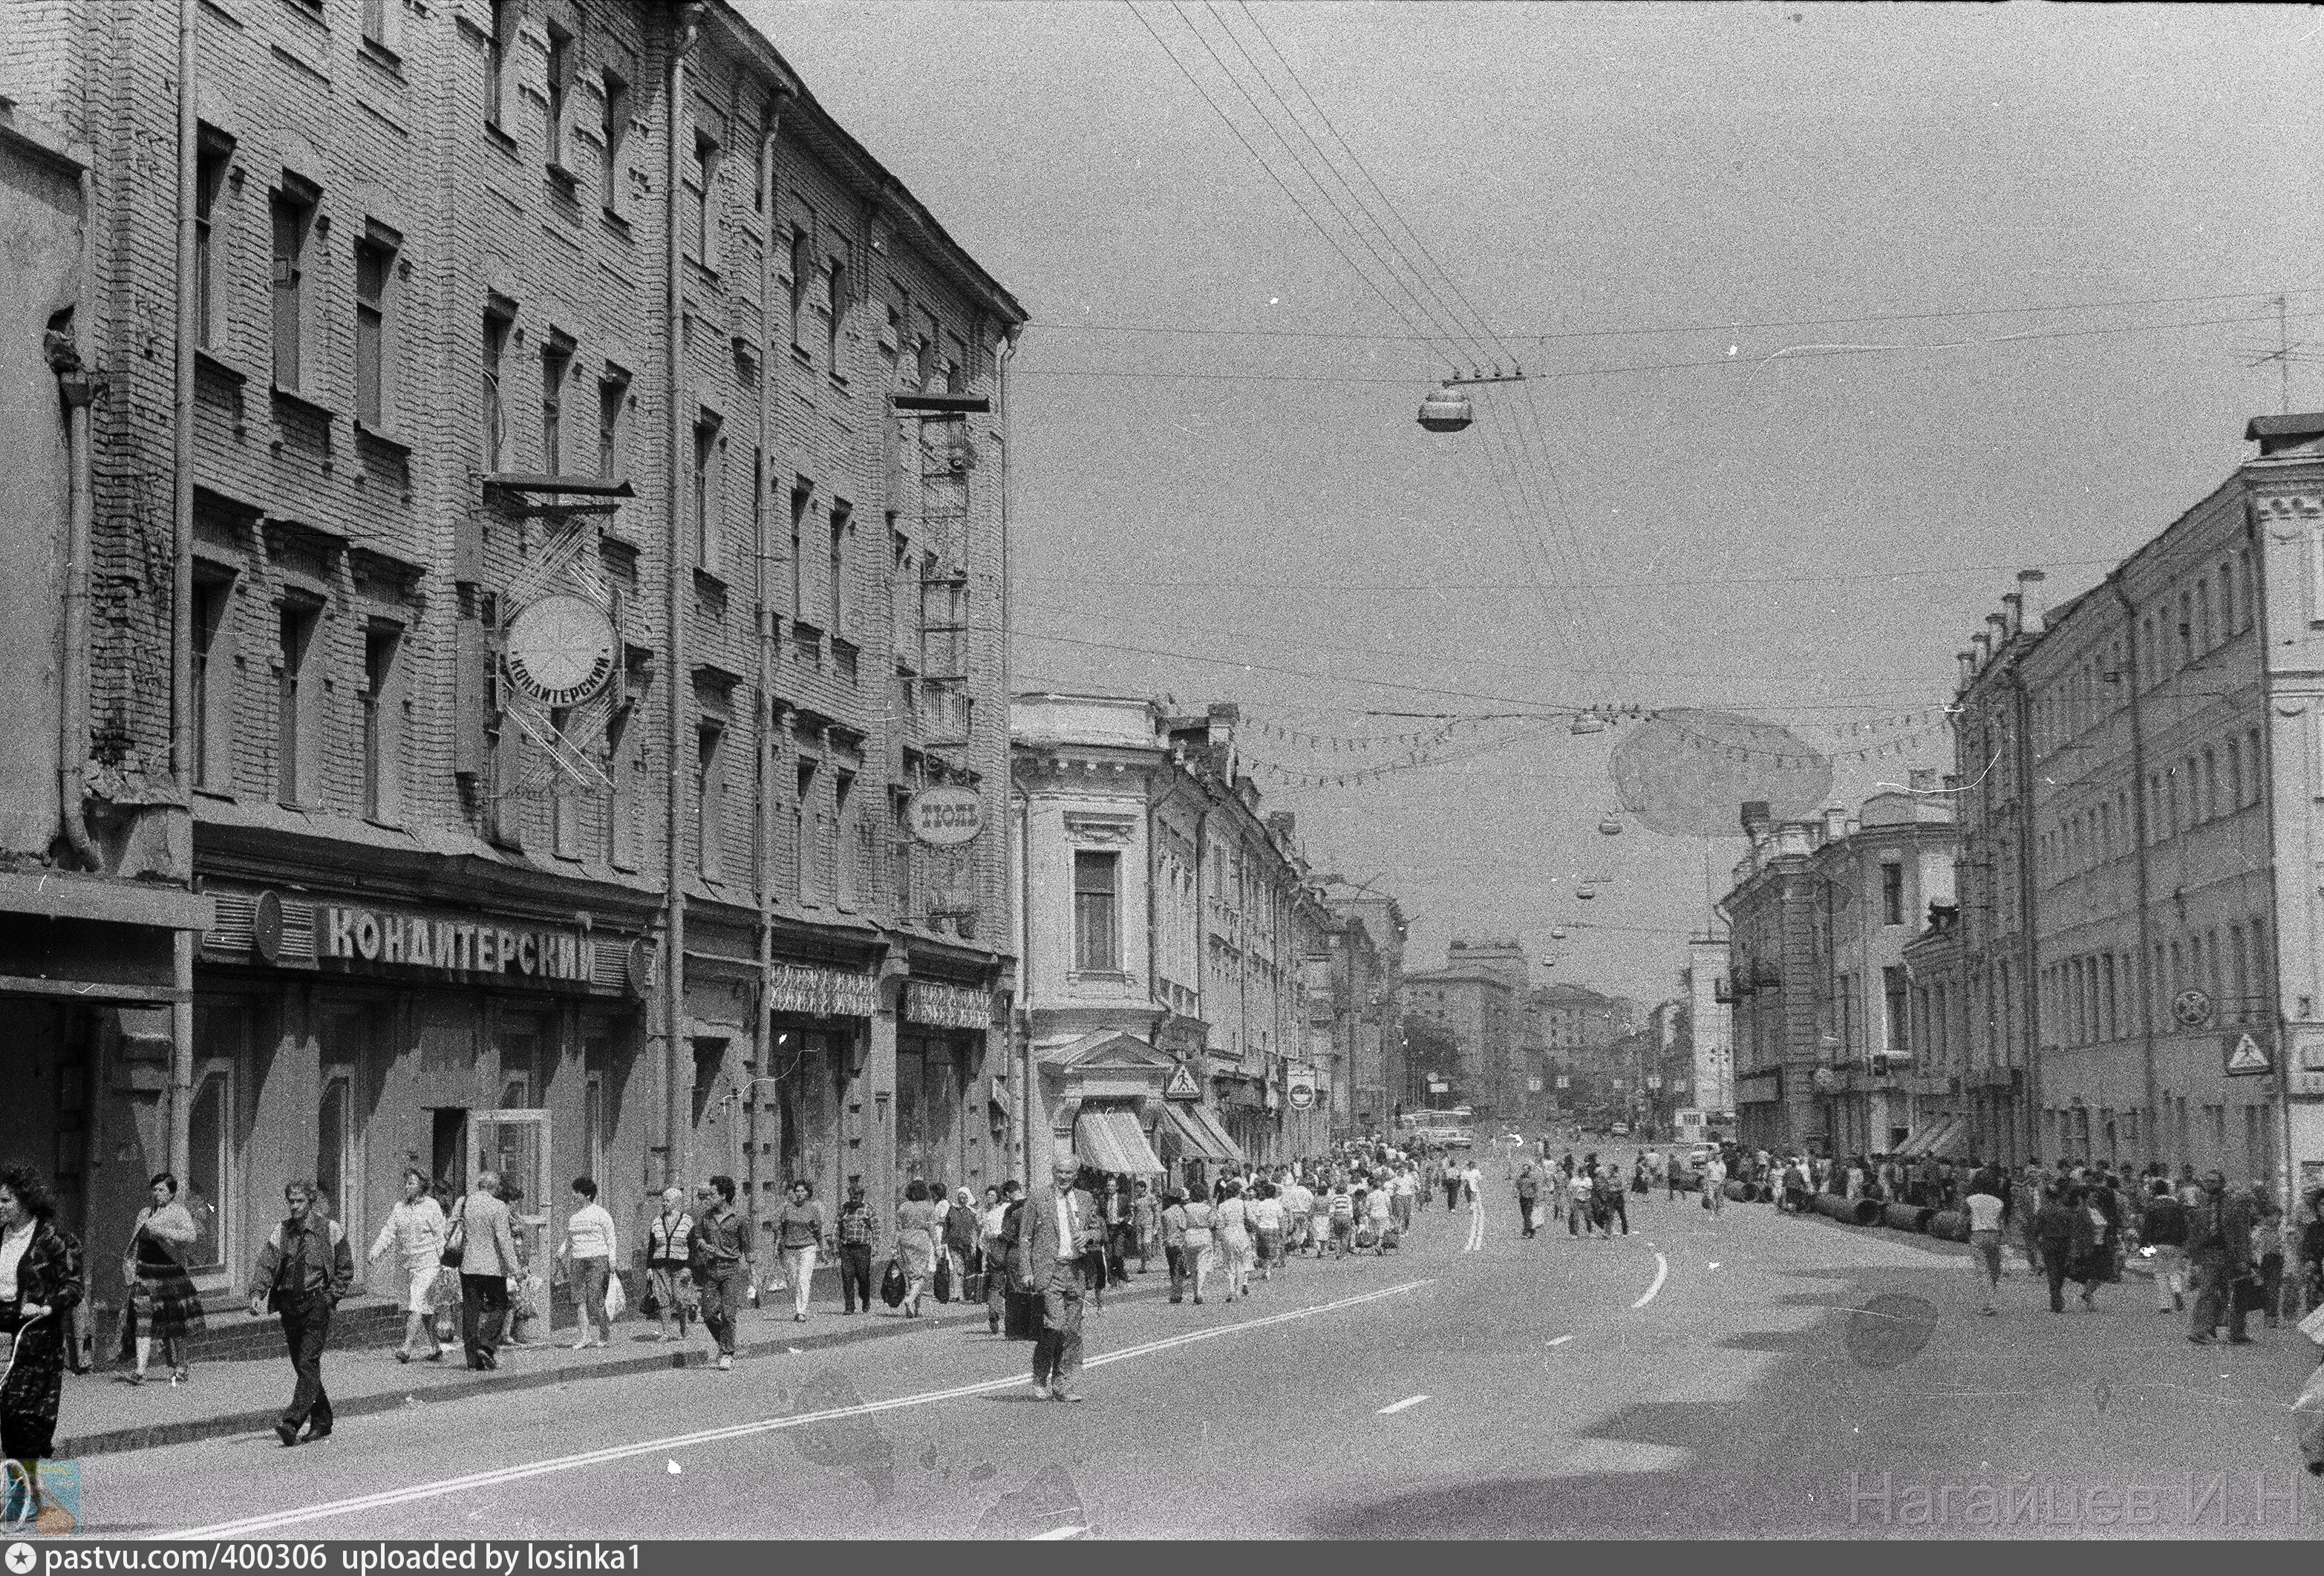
{"x":1366,"y":941}
{"x":2161,"y":861}
{"x":1711,"y":1026}
{"x":567,"y":534}
{"x":1773,"y":970}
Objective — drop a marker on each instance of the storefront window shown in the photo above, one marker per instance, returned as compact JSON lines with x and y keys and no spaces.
{"x":209,"y":1159}
{"x":333,"y":1150}
{"x":928,"y":1112}
{"x":808,"y":1076}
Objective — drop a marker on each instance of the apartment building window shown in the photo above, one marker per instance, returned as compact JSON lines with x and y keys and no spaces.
{"x":2259,"y":765}
{"x":2212,"y":807}
{"x":706,"y":200}
{"x":2186,"y":629}
{"x":563,"y":799}
{"x":1891,"y":893}
{"x":294,"y":693}
{"x":841,"y":527}
{"x":293,"y":215}
{"x":802,"y":839}
{"x":613,"y":136}
{"x":622,"y":805}
{"x":555,"y":366}
{"x":214,"y":155}
{"x":1900,"y":1033}
{"x":561,"y":53}
{"x":709,"y":491}
{"x":1097,"y":899}
{"x":710,"y":801}
{"x":498,"y":324}
{"x":802,"y":496}
{"x":835,"y":296}
{"x":213,"y":673}
{"x":799,"y":284}
{"x":374,"y":375}
{"x":849,"y":883}
{"x":381,"y":717}
{"x":2227,"y":624}
{"x":380,"y":19}
{"x":613,"y":423}
{"x":500,"y":43}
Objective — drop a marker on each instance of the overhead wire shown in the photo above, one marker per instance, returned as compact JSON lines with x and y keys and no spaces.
{"x":1801,"y":578}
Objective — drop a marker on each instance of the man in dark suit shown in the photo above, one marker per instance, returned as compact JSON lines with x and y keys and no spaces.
{"x":1060,"y":1223}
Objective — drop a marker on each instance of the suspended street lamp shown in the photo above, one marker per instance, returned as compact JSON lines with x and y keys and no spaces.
{"x":1448,"y":409}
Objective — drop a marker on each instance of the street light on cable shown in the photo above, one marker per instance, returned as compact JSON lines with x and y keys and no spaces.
{"x":1448,"y":409}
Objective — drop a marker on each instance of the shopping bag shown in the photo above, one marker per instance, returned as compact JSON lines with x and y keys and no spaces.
{"x":944,"y":1280}
{"x":972,"y":1288}
{"x":2307,"y":1412}
{"x":616,"y":1299}
{"x":1021,"y":1323}
{"x":2312,"y":1326}
{"x":892,"y":1285}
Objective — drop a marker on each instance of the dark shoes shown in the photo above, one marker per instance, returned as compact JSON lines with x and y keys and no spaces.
{"x":288,"y":1434}
{"x":316,"y":1435}
{"x":2241,"y":1340}
{"x":2201,"y":1339}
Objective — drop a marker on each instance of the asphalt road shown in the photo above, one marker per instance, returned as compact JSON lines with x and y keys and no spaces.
{"x":1749,"y":1375}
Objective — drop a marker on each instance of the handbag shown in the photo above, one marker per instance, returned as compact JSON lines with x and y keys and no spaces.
{"x":972,"y":1287}
{"x":455,"y":1243}
{"x":944,"y":1280}
{"x":1020,"y":1320}
{"x":892,"y":1284}
{"x":616,"y":1299}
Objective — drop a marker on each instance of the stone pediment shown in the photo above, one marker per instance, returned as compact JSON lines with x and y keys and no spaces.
{"x":1109,"y":1049}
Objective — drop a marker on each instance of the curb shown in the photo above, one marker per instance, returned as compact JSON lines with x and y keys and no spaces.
{"x":157,"y":1435}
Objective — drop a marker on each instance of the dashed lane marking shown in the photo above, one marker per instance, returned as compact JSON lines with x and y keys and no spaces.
{"x":253,"y":1526}
{"x":1561,"y":1339}
{"x":1662,"y":1273}
{"x":1395,"y":1407}
{"x":1057,"y":1535}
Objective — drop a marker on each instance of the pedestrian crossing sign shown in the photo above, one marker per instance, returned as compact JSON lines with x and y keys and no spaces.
{"x":1182,"y":1084}
{"x":2247,"y":1055}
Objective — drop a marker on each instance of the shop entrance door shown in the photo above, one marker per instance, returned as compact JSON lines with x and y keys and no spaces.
{"x":515,"y":1143}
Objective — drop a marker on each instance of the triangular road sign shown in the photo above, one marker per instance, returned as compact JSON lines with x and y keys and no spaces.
{"x":1182,"y":1084}
{"x":2247,"y":1055}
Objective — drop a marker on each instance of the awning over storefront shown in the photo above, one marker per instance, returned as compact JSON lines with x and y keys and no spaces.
{"x":1947,"y":1135}
{"x":1199,"y":1131}
{"x":1110,"y":1139}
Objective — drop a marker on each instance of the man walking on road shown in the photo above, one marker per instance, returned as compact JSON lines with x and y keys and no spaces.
{"x":2163,"y":1229}
{"x":1060,"y":1223}
{"x":856,"y":1230}
{"x":2218,"y":1244}
{"x":1529,"y":1195}
{"x":1985,"y":1209}
{"x":1714,"y":1184}
{"x":719,"y":1255}
{"x":302,"y":1273}
{"x":488,"y":1258}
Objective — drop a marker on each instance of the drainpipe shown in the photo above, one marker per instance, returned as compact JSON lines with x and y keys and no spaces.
{"x":2287,"y":1177}
{"x":182,"y":579}
{"x":763,"y":1040}
{"x":2142,"y":860}
{"x":77,"y":388}
{"x":676,"y":1067}
{"x":1019,"y":1023}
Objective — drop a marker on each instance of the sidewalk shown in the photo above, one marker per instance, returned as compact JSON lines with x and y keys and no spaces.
{"x":102,"y":1416}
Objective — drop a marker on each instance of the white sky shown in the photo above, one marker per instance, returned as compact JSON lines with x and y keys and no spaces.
{"x":1576,"y":168}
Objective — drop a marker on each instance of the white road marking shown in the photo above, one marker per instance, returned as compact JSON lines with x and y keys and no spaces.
{"x":1662,"y":1273}
{"x":1560,"y":1341}
{"x":1057,"y":1535}
{"x":253,"y":1526}
{"x":1395,"y":1407}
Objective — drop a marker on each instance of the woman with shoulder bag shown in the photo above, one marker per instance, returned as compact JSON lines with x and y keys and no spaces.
{"x":163,"y":1305}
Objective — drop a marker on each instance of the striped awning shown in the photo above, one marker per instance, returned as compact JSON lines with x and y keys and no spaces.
{"x":1110,"y":1139}
{"x":1947,"y":1135}
{"x":1201,"y":1133}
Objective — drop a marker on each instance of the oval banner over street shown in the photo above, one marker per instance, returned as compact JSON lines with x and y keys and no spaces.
{"x":1302,"y":1088}
{"x":946,"y":817}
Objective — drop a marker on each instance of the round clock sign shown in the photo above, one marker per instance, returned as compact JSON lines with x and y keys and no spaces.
{"x":560,"y":650}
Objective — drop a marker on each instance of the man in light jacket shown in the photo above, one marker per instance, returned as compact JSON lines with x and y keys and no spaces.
{"x":303,"y":1272}
{"x":1060,"y":1223}
{"x":488,"y":1258}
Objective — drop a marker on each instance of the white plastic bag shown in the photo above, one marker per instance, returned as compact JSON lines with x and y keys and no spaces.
{"x":616,"y":1299}
{"x":2312,"y":1326}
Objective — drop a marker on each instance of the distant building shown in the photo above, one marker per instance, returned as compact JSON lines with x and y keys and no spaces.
{"x":1476,"y":1002}
{"x":1711,"y":1017}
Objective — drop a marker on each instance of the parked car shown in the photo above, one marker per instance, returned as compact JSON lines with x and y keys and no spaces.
{"x":1619,"y":1130}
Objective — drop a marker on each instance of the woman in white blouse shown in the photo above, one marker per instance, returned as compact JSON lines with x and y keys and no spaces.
{"x":589,"y":1248}
{"x":415,"y":1230}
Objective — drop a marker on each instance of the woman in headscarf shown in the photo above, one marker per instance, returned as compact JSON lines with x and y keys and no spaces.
{"x":163,"y":1304}
{"x":40,"y":1282}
